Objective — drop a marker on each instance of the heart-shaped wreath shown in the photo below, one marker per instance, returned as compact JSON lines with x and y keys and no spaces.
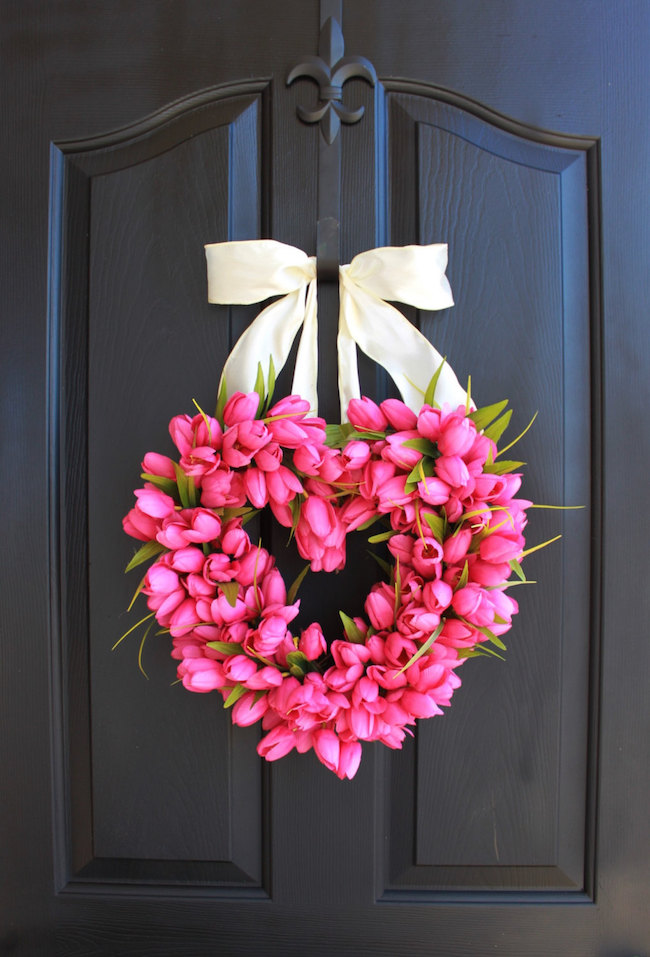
{"x":454,"y":530}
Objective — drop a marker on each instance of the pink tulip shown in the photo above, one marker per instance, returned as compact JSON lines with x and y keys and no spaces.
{"x":255,"y":485}
{"x":204,"y":526}
{"x":312,"y":642}
{"x":269,"y":458}
{"x":240,"y":407}
{"x":429,"y":423}
{"x":400,"y":454}
{"x":355,"y":455}
{"x":156,"y":464}
{"x":457,"y":434}
{"x":277,"y":743}
{"x":264,"y":679}
{"x":366,"y":415}
{"x":472,"y":603}
{"x":189,"y":559}
{"x":308,"y":458}
{"x":140,"y":526}
{"x":234,"y":540}
{"x":184,"y":618}
{"x":434,"y":491}
{"x":327,"y":748}
{"x":398,"y":414}
{"x":238,"y":668}
{"x":290,"y":405}
{"x":452,"y":469}
{"x":380,"y":606}
{"x":437,"y":596}
{"x":201,"y":674}
{"x":247,"y":710}
{"x":419,"y":705}
{"x":501,"y":546}
{"x":254,"y":565}
{"x":456,"y":546}
{"x":349,"y":759}
{"x":283,"y":485}
{"x":427,"y":557}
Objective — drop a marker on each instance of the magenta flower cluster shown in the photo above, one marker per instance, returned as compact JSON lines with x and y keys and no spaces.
{"x":453,"y":528}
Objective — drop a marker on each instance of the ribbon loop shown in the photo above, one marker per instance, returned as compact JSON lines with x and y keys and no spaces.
{"x":410,"y":274}
{"x":254,"y":270}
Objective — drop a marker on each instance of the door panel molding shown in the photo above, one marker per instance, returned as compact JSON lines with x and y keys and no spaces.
{"x":520,"y":209}
{"x":112,"y":818}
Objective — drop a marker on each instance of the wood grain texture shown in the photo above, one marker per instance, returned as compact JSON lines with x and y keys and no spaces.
{"x":143,"y":322}
{"x":71,"y":70}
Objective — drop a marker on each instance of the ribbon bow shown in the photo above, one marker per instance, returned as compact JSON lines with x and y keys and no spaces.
{"x":254,"y":270}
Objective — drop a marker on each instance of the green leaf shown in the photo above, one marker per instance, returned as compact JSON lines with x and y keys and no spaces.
{"x":536,"y":548}
{"x":502,"y":468}
{"x":437,"y":525}
{"x":482,"y":417}
{"x":334,"y":437}
{"x":270,"y":384}
{"x":205,"y":419}
{"x":235,"y":695}
{"x":295,"y":506}
{"x":192,"y":491}
{"x":430,"y":392}
{"x":464,"y":577}
{"x":221,"y":400}
{"x":228,"y":513}
{"x":478,"y":650}
{"x":226,"y":647}
{"x":144,"y":638}
{"x":230,"y":590}
{"x":181,"y":482}
{"x":425,"y":446}
{"x":398,"y":589}
{"x":520,"y":436}
{"x":351,"y":629}
{"x":295,"y":585}
{"x":517,"y":569}
{"x":423,"y":470}
{"x":382,"y":537}
{"x":496,"y":430}
{"x":489,"y":634}
{"x":383,"y":564}
{"x":166,"y":485}
{"x":368,"y":523}
{"x":298,"y":663}
{"x":135,"y":594}
{"x":250,"y":515}
{"x":132,"y":628}
{"x":259,"y":388}
{"x":423,"y":649}
{"x":144,"y":553}
{"x":365,"y":434}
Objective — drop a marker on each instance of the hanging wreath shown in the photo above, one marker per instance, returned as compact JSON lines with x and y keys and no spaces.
{"x":430,"y":483}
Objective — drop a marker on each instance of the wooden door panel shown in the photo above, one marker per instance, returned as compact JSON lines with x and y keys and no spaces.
{"x":138,"y":341}
{"x":513,"y":204}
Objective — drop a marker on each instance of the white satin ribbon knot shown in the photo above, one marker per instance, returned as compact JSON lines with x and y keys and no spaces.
{"x":254,"y":270}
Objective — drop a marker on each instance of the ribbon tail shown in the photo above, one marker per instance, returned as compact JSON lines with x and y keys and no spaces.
{"x":305,"y":375}
{"x":349,"y":387}
{"x":271,"y":333}
{"x":384,"y":334}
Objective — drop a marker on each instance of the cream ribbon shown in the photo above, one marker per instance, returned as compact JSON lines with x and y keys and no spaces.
{"x":253,"y":270}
